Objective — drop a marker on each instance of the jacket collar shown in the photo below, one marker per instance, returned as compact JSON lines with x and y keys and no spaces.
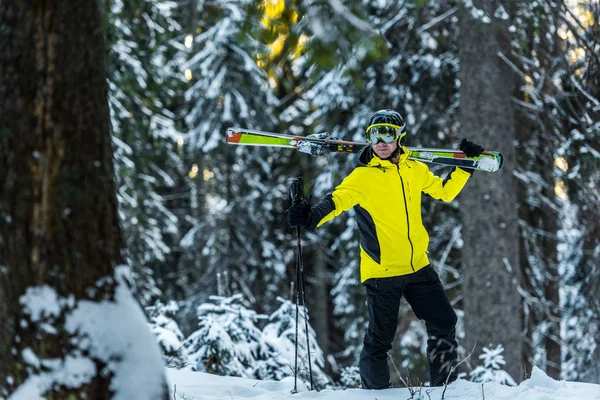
{"x":368,"y":158}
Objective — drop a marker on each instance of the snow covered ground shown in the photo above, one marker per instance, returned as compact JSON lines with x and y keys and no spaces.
{"x":188,"y":385}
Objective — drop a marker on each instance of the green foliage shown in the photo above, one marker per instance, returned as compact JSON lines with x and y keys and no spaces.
{"x":421,"y":3}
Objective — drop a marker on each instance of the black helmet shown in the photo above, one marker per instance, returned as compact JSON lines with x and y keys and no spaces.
{"x":391,"y":118}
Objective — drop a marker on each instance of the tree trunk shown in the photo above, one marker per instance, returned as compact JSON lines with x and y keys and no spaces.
{"x":492,"y":304}
{"x":61,"y":302}
{"x":538,"y":246}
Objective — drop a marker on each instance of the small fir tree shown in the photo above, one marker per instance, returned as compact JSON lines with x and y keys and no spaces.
{"x":350,"y":377}
{"x":279,"y":337}
{"x":491,"y":370}
{"x":166,"y":332}
{"x":227,"y":340}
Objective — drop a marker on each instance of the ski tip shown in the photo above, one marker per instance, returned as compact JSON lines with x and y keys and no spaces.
{"x":232,"y":130}
{"x":492,"y":161}
{"x":233,"y":135}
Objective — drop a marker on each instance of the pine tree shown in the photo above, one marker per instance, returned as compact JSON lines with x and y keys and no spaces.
{"x":167,"y":333}
{"x":539,"y":207}
{"x":487,"y":116}
{"x":227,"y":339}
{"x":350,"y":377}
{"x":234,"y":192}
{"x":279,"y":334}
{"x":579,"y":111}
{"x":491,"y":370}
{"x":142,"y":97}
{"x":556,"y":209}
{"x":70,"y":327}
{"x":229,"y":342}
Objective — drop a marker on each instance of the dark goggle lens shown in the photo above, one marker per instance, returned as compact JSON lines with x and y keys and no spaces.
{"x":385,"y":134}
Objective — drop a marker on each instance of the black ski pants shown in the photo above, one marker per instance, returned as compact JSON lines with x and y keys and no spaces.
{"x":425,"y":294}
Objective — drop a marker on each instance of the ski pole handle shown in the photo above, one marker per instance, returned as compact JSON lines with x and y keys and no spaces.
{"x":297,"y":191}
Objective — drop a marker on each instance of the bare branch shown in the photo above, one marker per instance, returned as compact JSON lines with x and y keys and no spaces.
{"x":456,"y":366}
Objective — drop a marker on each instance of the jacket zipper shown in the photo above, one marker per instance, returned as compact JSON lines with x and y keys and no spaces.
{"x":412,"y":248}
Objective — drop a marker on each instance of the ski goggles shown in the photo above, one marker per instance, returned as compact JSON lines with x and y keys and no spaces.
{"x":385,"y":133}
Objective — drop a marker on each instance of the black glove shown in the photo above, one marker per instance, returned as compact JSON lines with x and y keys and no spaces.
{"x":469,"y":148}
{"x":299,"y":215}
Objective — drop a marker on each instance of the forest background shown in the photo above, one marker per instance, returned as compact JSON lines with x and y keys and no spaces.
{"x":518,"y":251}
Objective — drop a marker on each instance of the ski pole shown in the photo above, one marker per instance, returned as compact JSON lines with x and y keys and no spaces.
{"x":305,"y":310}
{"x":296,"y":195}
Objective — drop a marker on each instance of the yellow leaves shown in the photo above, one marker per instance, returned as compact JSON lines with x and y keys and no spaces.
{"x":528,"y":85}
{"x":278,"y":22}
{"x":273,"y":10}
{"x":260,"y":61}
{"x":208,"y":175}
{"x":276,"y":47}
{"x":576,"y":54}
{"x":564,"y":33}
{"x":301,"y":42}
{"x":587,"y":18}
{"x":561,"y":163}
{"x":560,"y":190}
{"x":193,"y":172}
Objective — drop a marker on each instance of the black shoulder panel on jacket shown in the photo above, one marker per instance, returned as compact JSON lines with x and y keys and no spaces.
{"x":368,"y":234}
{"x":447,"y":178}
{"x":319,"y":211}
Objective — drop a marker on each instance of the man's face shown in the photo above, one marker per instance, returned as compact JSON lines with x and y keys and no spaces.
{"x":384,"y":150}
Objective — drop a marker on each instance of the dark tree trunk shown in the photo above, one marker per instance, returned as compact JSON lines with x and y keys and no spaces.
{"x":552,"y":338}
{"x":583,"y":191}
{"x":538,"y":247}
{"x":492,"y":304}
{"x":539,"y":263}
{"x":58,"y":207}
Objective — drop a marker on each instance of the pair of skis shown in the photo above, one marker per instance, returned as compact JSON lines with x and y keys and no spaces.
{"x":320,"y":144}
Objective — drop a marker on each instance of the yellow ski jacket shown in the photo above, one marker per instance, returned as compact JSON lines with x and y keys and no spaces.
{"x":387,"y":201}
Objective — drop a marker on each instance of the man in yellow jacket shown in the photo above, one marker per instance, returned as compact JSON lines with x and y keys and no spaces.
{"x":393,"y":245}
